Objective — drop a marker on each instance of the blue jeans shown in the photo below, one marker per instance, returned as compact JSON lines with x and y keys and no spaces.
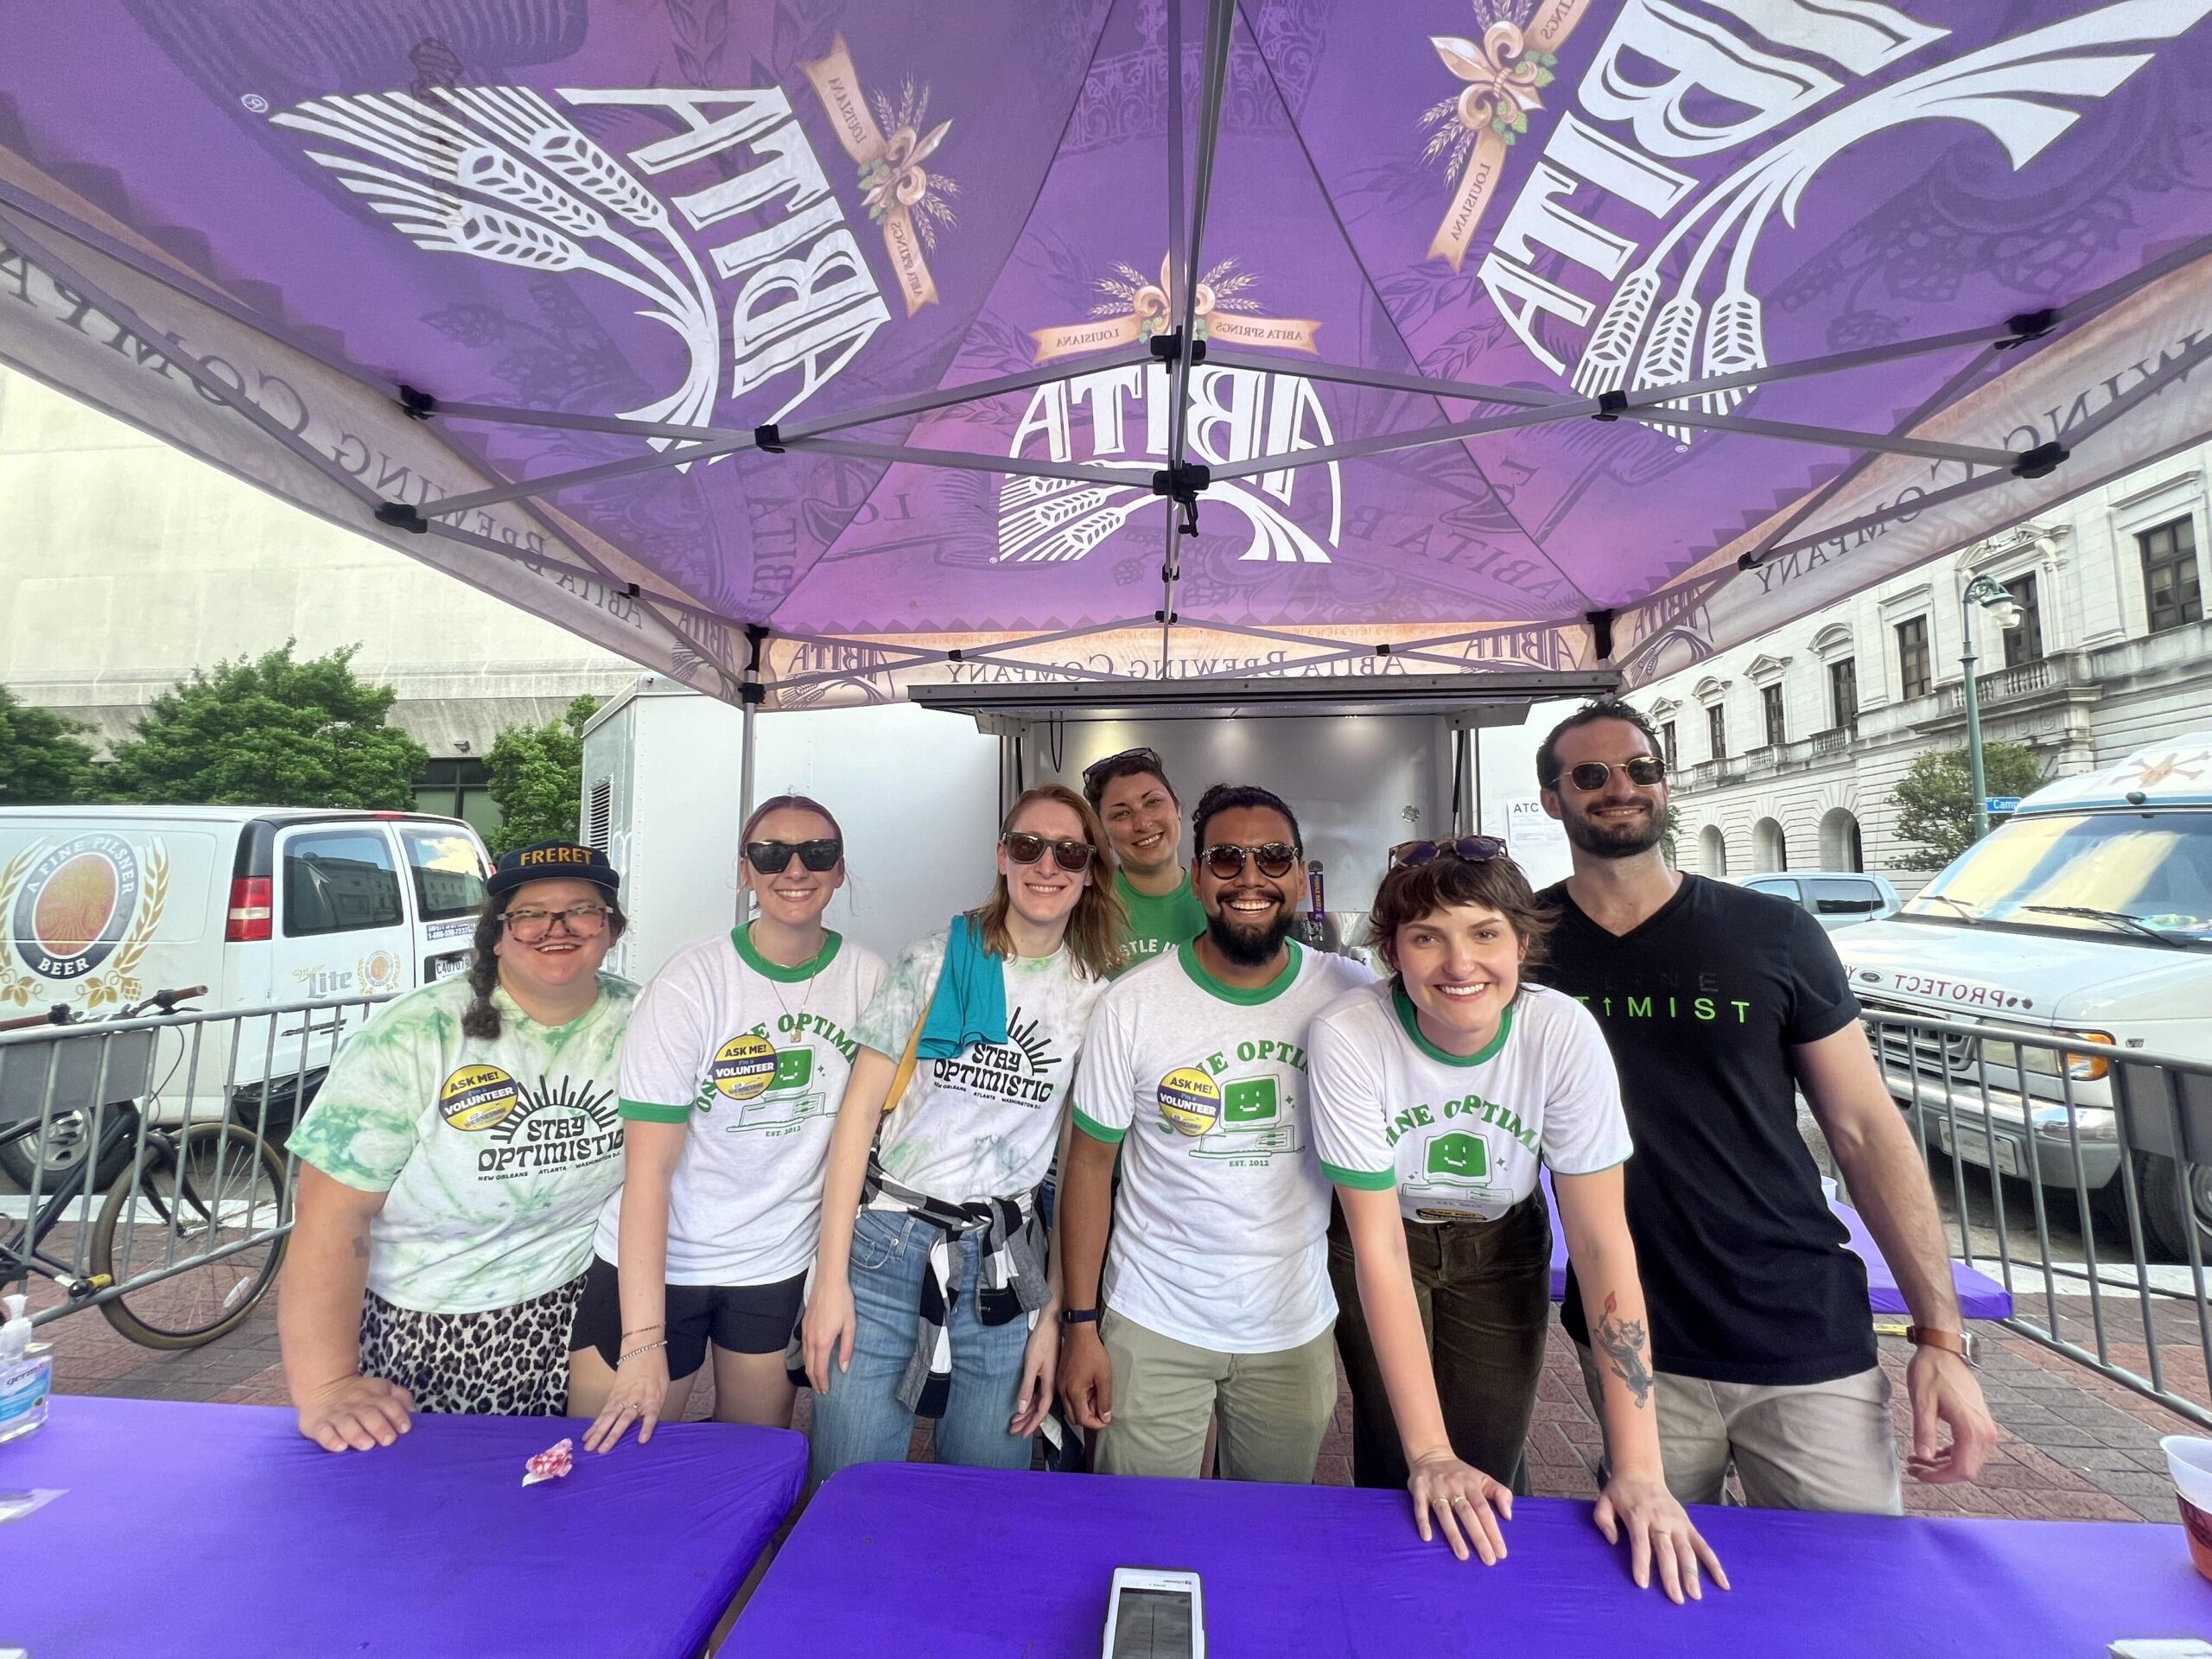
{"x":858,"y":1421}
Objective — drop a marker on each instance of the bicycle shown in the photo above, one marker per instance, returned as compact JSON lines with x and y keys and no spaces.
{"x":214,"y":1189}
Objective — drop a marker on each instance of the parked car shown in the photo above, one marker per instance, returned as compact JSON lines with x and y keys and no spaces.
{"x":267,"y":907}
{"x":2089,"y":915}
{"x":1836,"y":898}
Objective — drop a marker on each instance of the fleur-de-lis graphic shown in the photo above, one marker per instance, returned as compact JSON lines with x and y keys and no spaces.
{"x":1504,"y":78}
{"x":897,"y":178}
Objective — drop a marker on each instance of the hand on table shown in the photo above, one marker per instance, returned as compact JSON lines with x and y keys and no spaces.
{"x":1086,"y":1378}
{"x":1943,"y":1391}
{"x":827,"y":1329}
{"x":1460,"y":1496}
{"x":1658,"y":1528}
{"x":357,"y":1413}
{"x":1039,"y":1360}
{"x":640,"y":1386}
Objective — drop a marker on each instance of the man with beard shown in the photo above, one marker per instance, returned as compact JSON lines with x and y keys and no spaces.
{"x":1218,"y":1298}
{"x":1720,"y":1004}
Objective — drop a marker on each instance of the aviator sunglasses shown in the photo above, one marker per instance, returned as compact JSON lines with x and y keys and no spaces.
{"x":1026,"y":847}
{"x":1276,"y":858}
{"x":774,"y":857}
{"x":1470,"y":849}
{"x":1643,"y":771}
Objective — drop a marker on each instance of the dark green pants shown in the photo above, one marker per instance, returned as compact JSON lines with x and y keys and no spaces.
{"x":1485,"y":1291}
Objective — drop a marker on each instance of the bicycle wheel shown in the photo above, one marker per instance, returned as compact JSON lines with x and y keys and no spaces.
{"x":217,"y":1184}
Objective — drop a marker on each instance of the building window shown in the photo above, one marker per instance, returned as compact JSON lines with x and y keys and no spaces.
{"x":2170,"y":583}
{"x":1771,"y":705}
{"x":1716,"y":731}
{"x":1667,"y":745}
{"x":1913,"y":677}
{"x":1843,"y":690}
{"x":2023,"y":643}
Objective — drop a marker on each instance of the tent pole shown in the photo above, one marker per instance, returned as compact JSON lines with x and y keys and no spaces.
{"x":750,"y":693}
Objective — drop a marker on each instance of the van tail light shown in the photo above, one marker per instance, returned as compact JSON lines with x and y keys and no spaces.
{"x":2087,"y":1068}
{"x":251,"y":910}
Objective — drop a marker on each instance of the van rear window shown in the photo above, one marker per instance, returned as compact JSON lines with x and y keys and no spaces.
{"x":336,"y":881}
{"x":448,"y":876}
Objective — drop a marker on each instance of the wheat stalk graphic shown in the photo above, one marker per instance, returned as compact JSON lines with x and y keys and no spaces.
{"x":14,"y":987}
{"x":498,"y":173}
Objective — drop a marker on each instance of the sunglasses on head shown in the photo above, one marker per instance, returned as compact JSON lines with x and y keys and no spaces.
{"x":774,"y":857}
{"x":1149,"y":757}
{"x":1226,"y":860}
{"x":1026,"y":847}
{"x":1470,"y":849}
{"x":1645,"y":770}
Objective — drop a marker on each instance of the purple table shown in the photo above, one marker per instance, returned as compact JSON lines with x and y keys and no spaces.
{"x":895,"y":1559}
{"x":192,"y":1530}
{"x":1980,"y":1297}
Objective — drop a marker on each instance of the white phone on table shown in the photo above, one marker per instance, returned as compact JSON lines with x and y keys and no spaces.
{"x":1154,"y":1613}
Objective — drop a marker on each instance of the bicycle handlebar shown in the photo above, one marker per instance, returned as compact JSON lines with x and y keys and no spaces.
{"x":167,"y":1000}
{"x":62,"y":1014}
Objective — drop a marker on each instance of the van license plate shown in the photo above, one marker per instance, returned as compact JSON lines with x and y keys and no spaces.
{"x":1973,"y":1146}
{"x":446,"y":968}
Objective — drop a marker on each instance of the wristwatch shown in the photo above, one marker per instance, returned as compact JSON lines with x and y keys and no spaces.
{"x":1951,"y":1342}
{"x":1080,"y":1315}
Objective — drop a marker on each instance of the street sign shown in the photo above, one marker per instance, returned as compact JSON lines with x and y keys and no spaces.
{"x":2002,"y":803}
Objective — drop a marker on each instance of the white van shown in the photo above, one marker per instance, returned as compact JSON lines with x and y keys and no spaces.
{"x":2087,"y":912}
{"x":267,"y":907}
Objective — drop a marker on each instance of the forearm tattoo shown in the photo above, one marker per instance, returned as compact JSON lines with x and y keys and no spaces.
{"x":1624,"y":1345}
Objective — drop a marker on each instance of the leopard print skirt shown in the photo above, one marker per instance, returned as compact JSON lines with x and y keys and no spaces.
{"x":504,"y":1362}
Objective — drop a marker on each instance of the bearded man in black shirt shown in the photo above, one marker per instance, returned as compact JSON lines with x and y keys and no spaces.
{"x":1719,"y":1005}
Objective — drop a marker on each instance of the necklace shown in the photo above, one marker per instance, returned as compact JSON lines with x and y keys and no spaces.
{"x":776,"y":990}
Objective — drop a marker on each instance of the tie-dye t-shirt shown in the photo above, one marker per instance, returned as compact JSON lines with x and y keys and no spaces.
{"x":496,"y":1155}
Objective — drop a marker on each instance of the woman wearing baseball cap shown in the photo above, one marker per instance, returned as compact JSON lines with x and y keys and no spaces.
{"x":451,"y":1169}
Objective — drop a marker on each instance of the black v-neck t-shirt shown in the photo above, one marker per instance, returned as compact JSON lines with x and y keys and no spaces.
{"x":1745,"y":1266}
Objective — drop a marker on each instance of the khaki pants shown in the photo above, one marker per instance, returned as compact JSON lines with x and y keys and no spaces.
{"x":1814,"y":1446}
{"x":1274,"y":1409}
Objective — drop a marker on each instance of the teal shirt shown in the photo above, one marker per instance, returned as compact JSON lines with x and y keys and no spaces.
{"x":1157,"y":924}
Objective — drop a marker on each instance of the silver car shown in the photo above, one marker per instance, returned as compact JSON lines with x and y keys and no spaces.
{"x":1836,"y":898}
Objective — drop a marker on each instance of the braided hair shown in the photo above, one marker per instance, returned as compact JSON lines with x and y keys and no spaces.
{"x":482,"y":1018}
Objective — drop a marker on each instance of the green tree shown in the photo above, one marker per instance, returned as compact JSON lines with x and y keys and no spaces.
{"x":537,"y":779}
{"x":1669,"y":835}
{"x":1935,"y":799}
{"x":270,"y":731}
{"x":42,"y":759}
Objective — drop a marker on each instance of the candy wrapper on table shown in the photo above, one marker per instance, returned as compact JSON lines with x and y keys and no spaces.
{"x":550,"y":1464}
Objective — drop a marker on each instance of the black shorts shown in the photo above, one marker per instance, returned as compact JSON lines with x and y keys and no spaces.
{"x":743,"y":1318}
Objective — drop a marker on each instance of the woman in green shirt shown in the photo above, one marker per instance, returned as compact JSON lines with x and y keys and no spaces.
{"x":1130,"y":794}
{"x":453,"y":1165}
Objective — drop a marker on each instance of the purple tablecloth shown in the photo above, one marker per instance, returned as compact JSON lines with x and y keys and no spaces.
{"x":201,"y":1530}
{"x":1980,"y":1297}
{"x":899,"y":1558}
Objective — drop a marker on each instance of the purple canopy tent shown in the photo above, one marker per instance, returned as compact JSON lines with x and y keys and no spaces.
{"x":827,"y":346}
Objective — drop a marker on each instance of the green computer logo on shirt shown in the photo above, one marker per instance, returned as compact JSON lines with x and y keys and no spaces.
{"x":1459,"y":1157}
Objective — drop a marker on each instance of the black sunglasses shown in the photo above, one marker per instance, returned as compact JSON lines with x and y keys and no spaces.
{"x":1149,"y":757}
{"x":1276,"y":858}
{"x":1470,"y":849}
{"x":1645,"y":770}
{"x":774,"y":857}
{"x":1026,"y":847}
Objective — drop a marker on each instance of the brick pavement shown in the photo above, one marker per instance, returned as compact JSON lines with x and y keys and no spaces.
{"x":2075,"y":1445}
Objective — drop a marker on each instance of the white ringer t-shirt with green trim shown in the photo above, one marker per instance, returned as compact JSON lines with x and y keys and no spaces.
{"x":1220,"y":1235}
{"x":985,"y":1123}
{"x":494,"y":1154}
{"x":1460,"y":1136}
{"x":754,"y":1058}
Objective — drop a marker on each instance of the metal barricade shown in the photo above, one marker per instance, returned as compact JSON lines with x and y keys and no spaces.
{"x":146,"y":1163}
{"x":2110,"y":1149}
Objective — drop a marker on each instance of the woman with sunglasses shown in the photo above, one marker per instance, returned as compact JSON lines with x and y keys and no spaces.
{"x":1436,"y":1095}
{"x":452,"y":1167}
{"x":736,"y":1058}
{"x":930,"y":1295}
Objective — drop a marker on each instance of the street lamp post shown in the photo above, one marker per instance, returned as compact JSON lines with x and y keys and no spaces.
{"x":2004,"y":611}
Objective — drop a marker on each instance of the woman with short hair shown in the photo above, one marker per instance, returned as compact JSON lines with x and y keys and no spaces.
{"x":453,"y":1165}
{"x":931,"y":1292}
{"x":1435,"y":1095}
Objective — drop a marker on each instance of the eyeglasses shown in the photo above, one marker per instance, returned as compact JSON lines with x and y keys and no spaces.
{"x":528,"y":926}
{"x":774,"y":857}
{"x":1149,"y":757}
{"x":1470,"y":849}
{"x":1643,"y":771}
{"x":1025,"y":847}
{"x":1276,"y":858}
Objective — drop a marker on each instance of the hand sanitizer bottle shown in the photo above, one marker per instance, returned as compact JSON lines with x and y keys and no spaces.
{"x":26,"y":1374}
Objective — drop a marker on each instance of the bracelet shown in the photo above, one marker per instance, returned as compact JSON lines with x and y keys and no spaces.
{"x":635,"y":1352}
{"x":640,"y":1330}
